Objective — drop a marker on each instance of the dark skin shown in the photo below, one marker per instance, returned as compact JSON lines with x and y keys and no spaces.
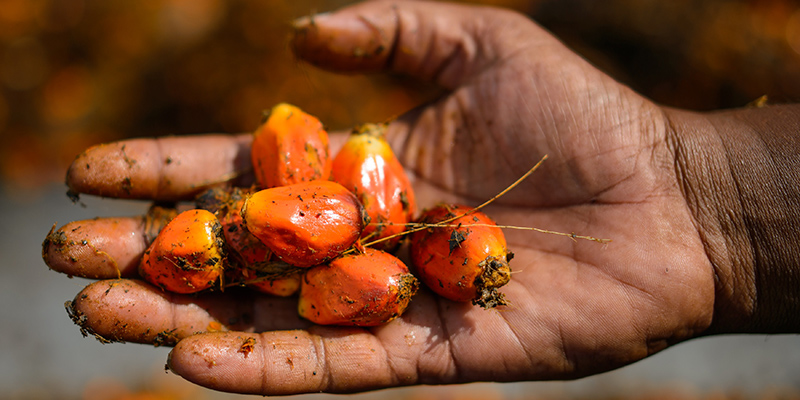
{"x":700,"y":209}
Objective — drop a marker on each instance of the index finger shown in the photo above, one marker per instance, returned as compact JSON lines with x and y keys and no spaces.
{"x":162,"y":169}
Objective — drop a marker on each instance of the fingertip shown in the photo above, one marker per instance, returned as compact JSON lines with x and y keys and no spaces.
{"x":346,"y":40}
{"x":110,"y":170}
{"x":442,"y":43}
{"x":100,"y":248}
{"x":78,"y":171}
{"x":122,"y":310}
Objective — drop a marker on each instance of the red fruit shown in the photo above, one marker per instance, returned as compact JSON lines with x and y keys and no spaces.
{"x":290,"y":146}
{"x":367,"y":167}
{"x":359,"y":289}
{"x":307,"y":223}
{"x":187,"y":255}
{"x":466,"y":261}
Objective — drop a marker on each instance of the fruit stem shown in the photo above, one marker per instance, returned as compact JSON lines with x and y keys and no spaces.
{"x":484,"y":204}
{"x":571,"y":235}
{"x":503,"y":192}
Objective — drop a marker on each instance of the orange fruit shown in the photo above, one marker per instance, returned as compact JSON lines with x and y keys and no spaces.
{"x":465,"y":261}
{"x":290,"y":146}
{"x":367,"y":166}
{"x":358,"y":289}
{"x":307,"y":223}
{"x":188,"y":254}
{"x":249,"y":260}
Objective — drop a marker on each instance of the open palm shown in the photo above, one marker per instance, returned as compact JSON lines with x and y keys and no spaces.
{"x":514,"y":94}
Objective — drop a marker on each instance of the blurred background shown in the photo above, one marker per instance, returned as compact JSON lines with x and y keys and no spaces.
{"x":79,"y":72}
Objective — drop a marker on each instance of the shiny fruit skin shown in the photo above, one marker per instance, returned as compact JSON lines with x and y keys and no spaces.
{"x":226,"y":203}
{"x":367,"y":166}
{"x":358,"y":289}
{"x":290,"y":146}
{"x":249,"y":260}
{"x":188,"y":254}
{"x":307,"y":223}
{"x":462,"y":262}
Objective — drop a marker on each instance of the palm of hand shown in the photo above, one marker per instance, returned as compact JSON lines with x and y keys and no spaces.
{"x":578,"y":307}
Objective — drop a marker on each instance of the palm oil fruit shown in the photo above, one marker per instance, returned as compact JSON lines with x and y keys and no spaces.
{"x":226,"y":204}
{"x":367,"y":166}
{"x":306,"y":223}
{"x":366,"y":288}
{"x":464,"y":260}
{"x":289,"y":146}
{"x":274,"y":278}
{"x":249,"y":262}
{"x":188,"y":254}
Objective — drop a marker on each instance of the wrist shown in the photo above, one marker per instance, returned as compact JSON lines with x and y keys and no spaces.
{"x":738,"y":171}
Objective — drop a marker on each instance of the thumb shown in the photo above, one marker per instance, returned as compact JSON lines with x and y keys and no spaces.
{"x":437,"y":42}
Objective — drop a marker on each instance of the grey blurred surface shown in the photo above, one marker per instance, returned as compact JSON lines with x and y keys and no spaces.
{"x":45,"y":356}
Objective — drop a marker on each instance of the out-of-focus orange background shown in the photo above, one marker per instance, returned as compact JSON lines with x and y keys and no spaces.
{"x":74,"y":73}
{"x":78,"y":72}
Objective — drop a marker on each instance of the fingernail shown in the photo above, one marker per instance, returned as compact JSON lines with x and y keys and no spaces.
{"x":168,"y":364}
{"x":309,"y":20}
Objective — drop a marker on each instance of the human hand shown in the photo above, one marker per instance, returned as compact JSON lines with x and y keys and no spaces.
{"x":513,"y":94}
